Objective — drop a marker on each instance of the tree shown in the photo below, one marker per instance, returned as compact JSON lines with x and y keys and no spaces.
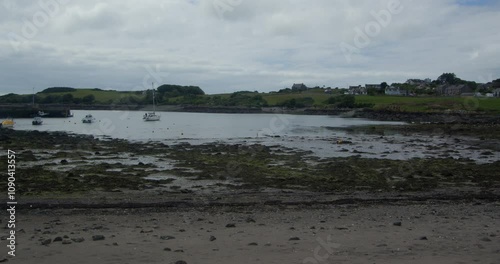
{"x":88,"y":99}
{"x":384,"y":85}
{"x":67,"y":98}
{"x":449,"y":78}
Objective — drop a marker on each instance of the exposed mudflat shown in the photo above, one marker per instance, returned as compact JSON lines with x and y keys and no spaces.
{"x":379,"y":194}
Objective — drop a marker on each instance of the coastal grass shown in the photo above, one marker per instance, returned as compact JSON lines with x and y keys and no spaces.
{"x":431,"y":104}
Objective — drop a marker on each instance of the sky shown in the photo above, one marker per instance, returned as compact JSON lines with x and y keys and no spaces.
{"x":232,"y":45}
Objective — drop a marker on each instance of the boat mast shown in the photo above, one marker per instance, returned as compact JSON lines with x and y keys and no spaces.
{"x":153,"y":86}
{"x":33,"y":96}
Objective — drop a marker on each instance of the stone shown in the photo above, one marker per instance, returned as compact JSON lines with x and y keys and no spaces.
{"x":294,"y":239}
{"x":58,"y":239}
{"x":397,"y":223}
{"x":253,"y":244}
{"x":78,"y":239}
{"x":66,"y":242}
{"x":167,"y":249}
{"x":212,"y":238}
{"x":180,"y":262}
{"x":98,"y":237}
{"x":46,"y":242}
{"x":167,"y":237}
{"x":423,"y":238}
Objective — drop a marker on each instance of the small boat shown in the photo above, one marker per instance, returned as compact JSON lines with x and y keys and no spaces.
{"x":37,"y":121}
{"x":88,"y":119}
{"x":8,"y":123}
{"x":42,"y":113}
{"x":152,"y":116}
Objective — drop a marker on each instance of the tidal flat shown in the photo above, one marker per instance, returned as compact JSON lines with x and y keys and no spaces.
{"x":394,"y":194}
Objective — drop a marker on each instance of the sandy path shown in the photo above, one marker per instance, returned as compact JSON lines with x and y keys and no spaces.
{"x":455,"y":233}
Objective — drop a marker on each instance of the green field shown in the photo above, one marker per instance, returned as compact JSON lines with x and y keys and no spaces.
{"x":101,"y":96}
{"x":431,"y":104}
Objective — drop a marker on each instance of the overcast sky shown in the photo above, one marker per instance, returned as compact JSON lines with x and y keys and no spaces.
{"x":231,"y":45}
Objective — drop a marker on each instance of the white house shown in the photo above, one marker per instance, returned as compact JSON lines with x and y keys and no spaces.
{"x":496,"y":92}
{"x":391,"y":90}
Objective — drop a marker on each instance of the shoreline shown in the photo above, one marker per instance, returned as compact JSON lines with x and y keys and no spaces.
{"x":87,"y":200}
{"x":463,"y":117}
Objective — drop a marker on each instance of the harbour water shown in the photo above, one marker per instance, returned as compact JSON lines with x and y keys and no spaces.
{"x":194,"y":126}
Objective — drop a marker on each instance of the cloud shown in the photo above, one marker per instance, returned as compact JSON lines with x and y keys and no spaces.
{"x":252,"y":45}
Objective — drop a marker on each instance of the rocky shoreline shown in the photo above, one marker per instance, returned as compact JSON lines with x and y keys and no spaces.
{"x":101,"y":200}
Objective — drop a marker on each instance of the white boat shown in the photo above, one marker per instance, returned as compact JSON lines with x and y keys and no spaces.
{"x":42,"y":113}
{"x":152,"y":116}
{"x":37,"y":121}
{"x":8,"y":123}
{"x":88,"y":119}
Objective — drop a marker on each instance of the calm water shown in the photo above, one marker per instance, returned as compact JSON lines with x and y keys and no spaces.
{"x":310,"y":133}
{"x":194,"y":126}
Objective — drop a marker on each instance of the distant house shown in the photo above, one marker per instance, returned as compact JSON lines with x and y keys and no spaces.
{"x":357,"y":90}
{"x":373,"y":86}
{"x":299,"y":87}
{"x":496,"y":92}
{"x":391,"y":90}
{"x":453,"y":90}
{"x":328,"y":90}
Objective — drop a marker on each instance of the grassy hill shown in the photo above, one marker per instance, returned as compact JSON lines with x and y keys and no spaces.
{"x":312,"y":97}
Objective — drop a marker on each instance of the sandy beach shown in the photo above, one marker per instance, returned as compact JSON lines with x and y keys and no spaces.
{"x":434,"y":232}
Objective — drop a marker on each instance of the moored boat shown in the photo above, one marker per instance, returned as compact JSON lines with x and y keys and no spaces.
{"x":37,"y":121}
{"x":88,"y":119}
{"x":8,"y":123}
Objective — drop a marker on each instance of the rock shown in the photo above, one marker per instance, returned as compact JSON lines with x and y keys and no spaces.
{"x":230,"y":225}
{"x":397,"y":223}
{"x":294,"y":239}
{"x":167,"y":249}
{"x":253,"y":244}
{"x":58,"y":239}
{"x":115,"y":244}
{"x":4,"y":260}
{"x":180,"y":262}
{"x":78,"y":239}
{"x":486,"y":239}
{"x":46,"y":242}
{"x":250,"y":220}
{"x":64,"y":161}
{"x":167,"y":237}
{"x":66,"y":242}
{"x":182,"y":230}
{"x":212,"y":238}
{"x":179,"y":251}
{"x":98,"y":237}
{"x":423,"y":238}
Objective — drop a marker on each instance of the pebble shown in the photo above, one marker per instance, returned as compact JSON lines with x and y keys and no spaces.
{"x":167,"y":237}
{"x":98,"y":237}
{"x":230,"y":225}
{"x":397,"y":223}
{"x":78,"y":239}
{"x":46,"y":242}
{"x":294,"y":239}
{"x":212,"y":238}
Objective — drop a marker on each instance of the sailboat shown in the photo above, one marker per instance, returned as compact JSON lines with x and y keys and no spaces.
{"x":152,"y":116}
